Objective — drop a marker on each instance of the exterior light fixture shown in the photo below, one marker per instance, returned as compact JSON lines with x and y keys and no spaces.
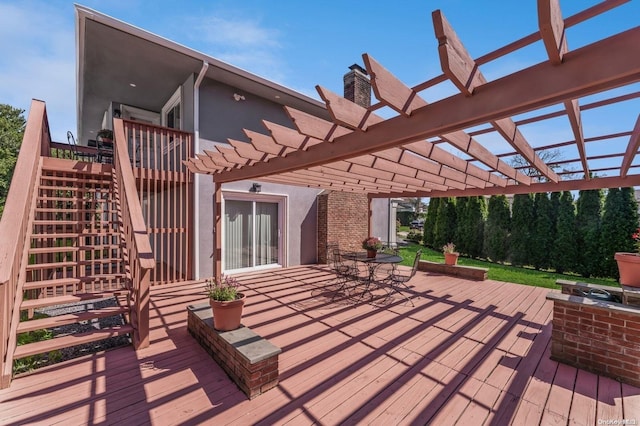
{"x":256,"y":187}
{"x":238,"y":98}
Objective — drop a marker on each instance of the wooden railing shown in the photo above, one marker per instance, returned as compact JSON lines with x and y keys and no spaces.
{"x":165,"y":191}
{"x":14,"y":229}
{"x":64,"y":150}
{"x":138,"y":257}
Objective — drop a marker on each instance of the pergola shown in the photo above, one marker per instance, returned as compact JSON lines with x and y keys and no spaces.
{"x":425,"y":150}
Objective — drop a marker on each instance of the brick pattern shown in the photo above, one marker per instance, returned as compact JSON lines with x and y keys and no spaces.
{"x":468,"y":272}
{"x":597,"y":339}
{"x":252,"y":379}
{"x":342,"y":218}
{"x":357,"y":86}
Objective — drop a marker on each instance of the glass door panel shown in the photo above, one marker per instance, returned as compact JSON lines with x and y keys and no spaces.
{"x":238,"y":222}
{"x":266,"y":233}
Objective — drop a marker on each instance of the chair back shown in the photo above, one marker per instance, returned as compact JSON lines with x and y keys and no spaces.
{"x":71,"y":140}
{"x":415,"y":262}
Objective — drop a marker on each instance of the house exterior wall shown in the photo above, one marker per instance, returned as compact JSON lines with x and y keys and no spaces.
{"x":300,"y":226}
{"x":382,"y":220}
{"x":222,"y":117}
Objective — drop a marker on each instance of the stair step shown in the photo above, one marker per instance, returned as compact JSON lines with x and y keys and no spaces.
{"x":64,"y":300}
{"x":35,"y":285}
{"x":58,"y":282}
{"x":64,"y":249}
{"x":68,"y":211}
{"x":75,"y":235}
{"x":68,"y":341}
{"x":59,"y":320}
{"x":53,"y":265}
{"x":53,"y":165}
{"x":54,"y":222}
{"x":80,"y":179}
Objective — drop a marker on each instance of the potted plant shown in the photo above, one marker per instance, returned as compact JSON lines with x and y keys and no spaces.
{"x":629,"y":264}
{"x":372,"y":245}
{"x":105,"y":135}
{"x":450,"y":254}
{"x":226,"y":302}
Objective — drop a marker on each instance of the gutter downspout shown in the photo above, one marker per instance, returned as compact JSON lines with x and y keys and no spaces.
{"x":196,"y":177}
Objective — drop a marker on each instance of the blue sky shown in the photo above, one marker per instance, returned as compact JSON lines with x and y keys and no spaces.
{"x":300,"y":44}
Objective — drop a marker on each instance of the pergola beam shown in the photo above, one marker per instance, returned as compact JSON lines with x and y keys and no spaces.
{"x":465,"y":74}
{"x":552,"y":29}
{"x":547,"y":84}
{"x":632,"y":149}
{"x":564,"y":185}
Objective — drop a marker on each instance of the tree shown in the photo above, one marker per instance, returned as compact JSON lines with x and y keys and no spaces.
{"x":497,"y":228}
{"x":430,"y":222}
{"x":460,"y":238}
{"x":619,"y":221}
{"x":445,"y":222}
{"x":588,"y":220}
{"x":475,"y":215}
{"x":12,"y":124}
{"x":564,"y":250}
{"x":542,"y":231}
{"x":549,"y":156}
{"x":521,"y":220}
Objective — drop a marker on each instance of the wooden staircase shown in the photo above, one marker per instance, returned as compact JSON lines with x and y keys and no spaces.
{"x":75,"y":255}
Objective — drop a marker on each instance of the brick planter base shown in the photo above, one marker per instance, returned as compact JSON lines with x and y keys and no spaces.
{"x":468,"y":272}
{"x":601,"y":337}
{"x":248,"y":359}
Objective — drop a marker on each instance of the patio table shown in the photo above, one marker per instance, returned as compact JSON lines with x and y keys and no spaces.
{"x":372,"y":264}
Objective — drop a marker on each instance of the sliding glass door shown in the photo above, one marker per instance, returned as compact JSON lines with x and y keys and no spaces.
{"x":251,"y":233}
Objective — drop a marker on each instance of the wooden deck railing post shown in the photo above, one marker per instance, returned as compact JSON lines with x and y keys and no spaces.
{"x":137,"y":248}
{"x":14,"y":232}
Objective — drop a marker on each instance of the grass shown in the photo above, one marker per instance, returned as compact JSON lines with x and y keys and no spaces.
{"x":32,"y":362}
{"x":500,"y":272}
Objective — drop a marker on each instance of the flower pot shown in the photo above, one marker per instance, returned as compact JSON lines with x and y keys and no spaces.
{"x":451,"y":258}
{"x":227,"y":315}
{"x":371,"y":253}
{"x":629,"y":268}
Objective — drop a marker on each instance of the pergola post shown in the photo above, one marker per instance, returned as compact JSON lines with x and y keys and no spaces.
{"x":217,"y":232}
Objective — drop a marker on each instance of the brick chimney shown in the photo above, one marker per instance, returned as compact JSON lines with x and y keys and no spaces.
{"x":357,"y":86}
{"x":343,"y":217}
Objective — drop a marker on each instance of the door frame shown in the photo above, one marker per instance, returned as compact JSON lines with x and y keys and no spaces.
{"x":283,"y":202}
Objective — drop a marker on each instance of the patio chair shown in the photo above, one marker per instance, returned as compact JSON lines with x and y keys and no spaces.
{"x":347,"y":272}
{"x":398,"y":281}
{"x":77,"y":155}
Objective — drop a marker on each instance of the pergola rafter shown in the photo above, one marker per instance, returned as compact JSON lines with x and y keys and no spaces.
{"x":360,"y":151}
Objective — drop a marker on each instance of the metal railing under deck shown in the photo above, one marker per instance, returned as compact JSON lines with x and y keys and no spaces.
{"x":139,"y":261}
{"x":165,"y":189}
{"x":14,"y":230}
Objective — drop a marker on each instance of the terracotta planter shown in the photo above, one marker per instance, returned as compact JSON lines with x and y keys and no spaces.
{"x":371,"y":253}
{"x":451,"y":258}
{"x":227,"y":315}
{"x":629,"y":267}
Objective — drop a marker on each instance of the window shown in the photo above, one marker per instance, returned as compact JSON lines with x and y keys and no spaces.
{"x":171,"y":116}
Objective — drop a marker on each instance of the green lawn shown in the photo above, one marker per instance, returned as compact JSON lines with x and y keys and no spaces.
{"x":500,"y":272}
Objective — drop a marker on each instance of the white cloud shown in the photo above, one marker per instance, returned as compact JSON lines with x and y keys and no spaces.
{"x":243,"y":42}
{"x":37,"y":60}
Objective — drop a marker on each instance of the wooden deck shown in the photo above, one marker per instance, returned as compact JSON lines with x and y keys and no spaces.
{"x":468,"y":352}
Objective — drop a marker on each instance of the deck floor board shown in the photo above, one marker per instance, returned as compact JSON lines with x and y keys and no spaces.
{"x":466,"y":353}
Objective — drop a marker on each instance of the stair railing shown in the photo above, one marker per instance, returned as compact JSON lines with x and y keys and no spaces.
{"x":14,"y":231}
{"x":139,"y":261}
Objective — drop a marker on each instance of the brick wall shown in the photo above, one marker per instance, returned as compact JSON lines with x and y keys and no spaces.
{"x":342,"y":218}
{"x":357,"y":86}
{"x":600,"y":337}
{"x":248,"y":359}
